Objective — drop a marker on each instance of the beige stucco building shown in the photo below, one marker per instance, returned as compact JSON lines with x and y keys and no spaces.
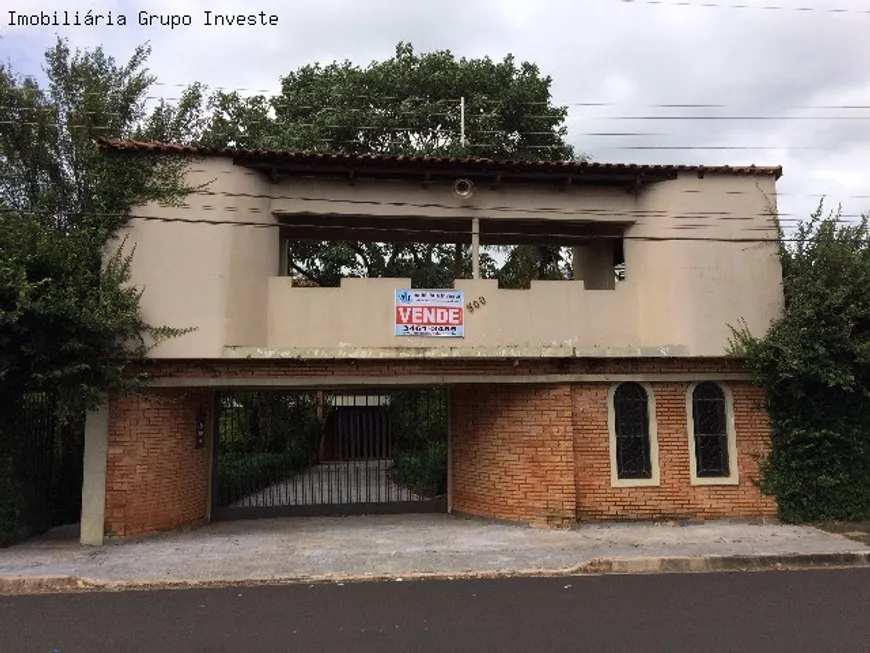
{"x":699,"y":250}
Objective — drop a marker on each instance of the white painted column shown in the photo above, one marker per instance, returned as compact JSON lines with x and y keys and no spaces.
{"x":577,"y":262}
{"x":283,"y":259}
{"x":94,"y":477}
{"x":449,"y":451}
{"x":594,"y":263}
{"x":475,"y":248}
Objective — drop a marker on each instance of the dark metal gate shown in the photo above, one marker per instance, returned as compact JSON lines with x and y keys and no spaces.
{"x":290,"y":452}
{"x":41,"y":466}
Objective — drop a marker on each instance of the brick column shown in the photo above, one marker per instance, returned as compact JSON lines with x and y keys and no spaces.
{"x":512,"y":453}
{"x":156,"y":477}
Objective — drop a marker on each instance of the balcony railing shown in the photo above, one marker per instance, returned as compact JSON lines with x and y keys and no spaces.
{"x":359,"y":319}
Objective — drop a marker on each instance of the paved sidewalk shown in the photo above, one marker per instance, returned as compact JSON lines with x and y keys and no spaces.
{"x":408,"y":546}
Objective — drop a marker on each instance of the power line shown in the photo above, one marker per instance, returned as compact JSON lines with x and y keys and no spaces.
{"x":555,"y":210}
{"x":725,"y":148}
{"x":278,"y":98}
{"x":423,"y":133}
{"x":272,"y":122}
{"x":686,"y":117}
{"x":597,"y":211}
{"x":387,"y":231}
{"x":829,"y":107}
{"x":722,"y":5}
{"x":710,"y":217}
{"x":251,"y":173}
{"x":469,"y":116}
{"x":547,"y":210}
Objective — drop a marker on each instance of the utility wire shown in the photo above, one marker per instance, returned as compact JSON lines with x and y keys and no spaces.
{"x":278,"y":98}
{"x":774,"y":194}
{"x":709,"y":218}
{"x":722,"y":5}
{"x":598,"y":211}
{"x":470,"y":117}
{"x":512,"y":209}
{"x":717,"y":193}
{"x":774,"y":236}
{"x":424,"y":133}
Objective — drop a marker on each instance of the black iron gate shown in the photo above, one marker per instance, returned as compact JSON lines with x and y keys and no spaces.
{"x":290,"y":452}
{"x":41,"y":466}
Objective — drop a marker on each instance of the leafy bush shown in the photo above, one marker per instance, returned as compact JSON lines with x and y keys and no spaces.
{"x":417,"y":416}
{"x":814,"y":364}
{"x":11,"y":504}
{"x":423,"y":470}
{"x":69,"y":318}
{"x":240,"y":475}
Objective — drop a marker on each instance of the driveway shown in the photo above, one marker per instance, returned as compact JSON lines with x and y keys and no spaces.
{"x":333,"y":483}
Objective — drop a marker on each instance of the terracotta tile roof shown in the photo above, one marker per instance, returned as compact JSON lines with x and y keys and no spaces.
{"x":418,"y":162}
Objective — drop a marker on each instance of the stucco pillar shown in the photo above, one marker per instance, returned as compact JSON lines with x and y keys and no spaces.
{"x":577,"y":263}
{"x":595,"y":264}
{"x":94,"y":477}
{"x":475,"y":248}
{"x":284,"y":258}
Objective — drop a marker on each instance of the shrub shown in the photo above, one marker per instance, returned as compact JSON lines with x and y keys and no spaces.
{"x":11,"y":503}
{"x":814,"y":364}
{"x":240,"y":475}
{"x":423,"y":470}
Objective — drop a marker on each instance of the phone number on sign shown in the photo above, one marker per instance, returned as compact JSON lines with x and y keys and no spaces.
{"x":429,"y":329}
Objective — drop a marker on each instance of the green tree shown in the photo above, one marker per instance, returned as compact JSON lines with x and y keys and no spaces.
{"x":69,"y":322}
{"x":49,"y":166}
{"x":408,"y":104}
{"x":815,"y":366}
{"x":62,"y":201}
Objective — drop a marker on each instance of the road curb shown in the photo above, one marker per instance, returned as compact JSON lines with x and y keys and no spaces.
{"x":25,"y":584}
{"x":728,"y":563}
{"x":48,"y":584}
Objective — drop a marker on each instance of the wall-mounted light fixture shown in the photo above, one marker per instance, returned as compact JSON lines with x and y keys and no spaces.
{"x":200,"y":429}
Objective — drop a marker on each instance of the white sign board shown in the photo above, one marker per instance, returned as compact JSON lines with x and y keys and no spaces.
{"x":437,"y":313}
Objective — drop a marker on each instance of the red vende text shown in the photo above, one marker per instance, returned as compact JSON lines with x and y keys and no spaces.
{"x":428,"y":315}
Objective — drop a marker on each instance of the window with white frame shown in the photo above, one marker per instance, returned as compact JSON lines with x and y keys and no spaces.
{"x":633,"y":441}
{"x":712,"y":438}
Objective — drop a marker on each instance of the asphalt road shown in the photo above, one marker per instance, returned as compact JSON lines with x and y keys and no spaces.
{"x":818,"y":611}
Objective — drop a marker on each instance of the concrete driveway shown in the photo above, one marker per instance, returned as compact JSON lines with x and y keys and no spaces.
{"x":400,"y":546}
{"x":333,"y":483}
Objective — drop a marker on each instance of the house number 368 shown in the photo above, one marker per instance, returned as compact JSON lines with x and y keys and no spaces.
{"x":474,"y":305}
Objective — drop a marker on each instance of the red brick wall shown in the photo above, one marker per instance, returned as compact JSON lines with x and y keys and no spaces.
{"x":539,"y":453}
{"x":385,"y":367}
{"x":512,"y":452}
{"x":675,"y":497}
{"x":532,"y":453}
{"x":156,"y":478}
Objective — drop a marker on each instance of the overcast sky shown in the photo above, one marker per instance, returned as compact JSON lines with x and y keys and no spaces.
{"x":757,"y":62}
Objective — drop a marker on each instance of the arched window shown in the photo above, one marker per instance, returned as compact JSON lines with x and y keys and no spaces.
{"x":712,"y":437}
{"x":633,"y":446}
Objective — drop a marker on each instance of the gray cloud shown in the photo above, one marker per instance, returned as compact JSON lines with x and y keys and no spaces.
{"x":763,"y":63}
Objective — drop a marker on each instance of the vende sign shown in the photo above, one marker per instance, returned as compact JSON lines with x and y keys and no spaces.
{"x":430,"y":313}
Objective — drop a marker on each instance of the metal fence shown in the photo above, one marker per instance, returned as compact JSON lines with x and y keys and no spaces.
{"x":325,"y":453}
{"x":44,"y":457}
